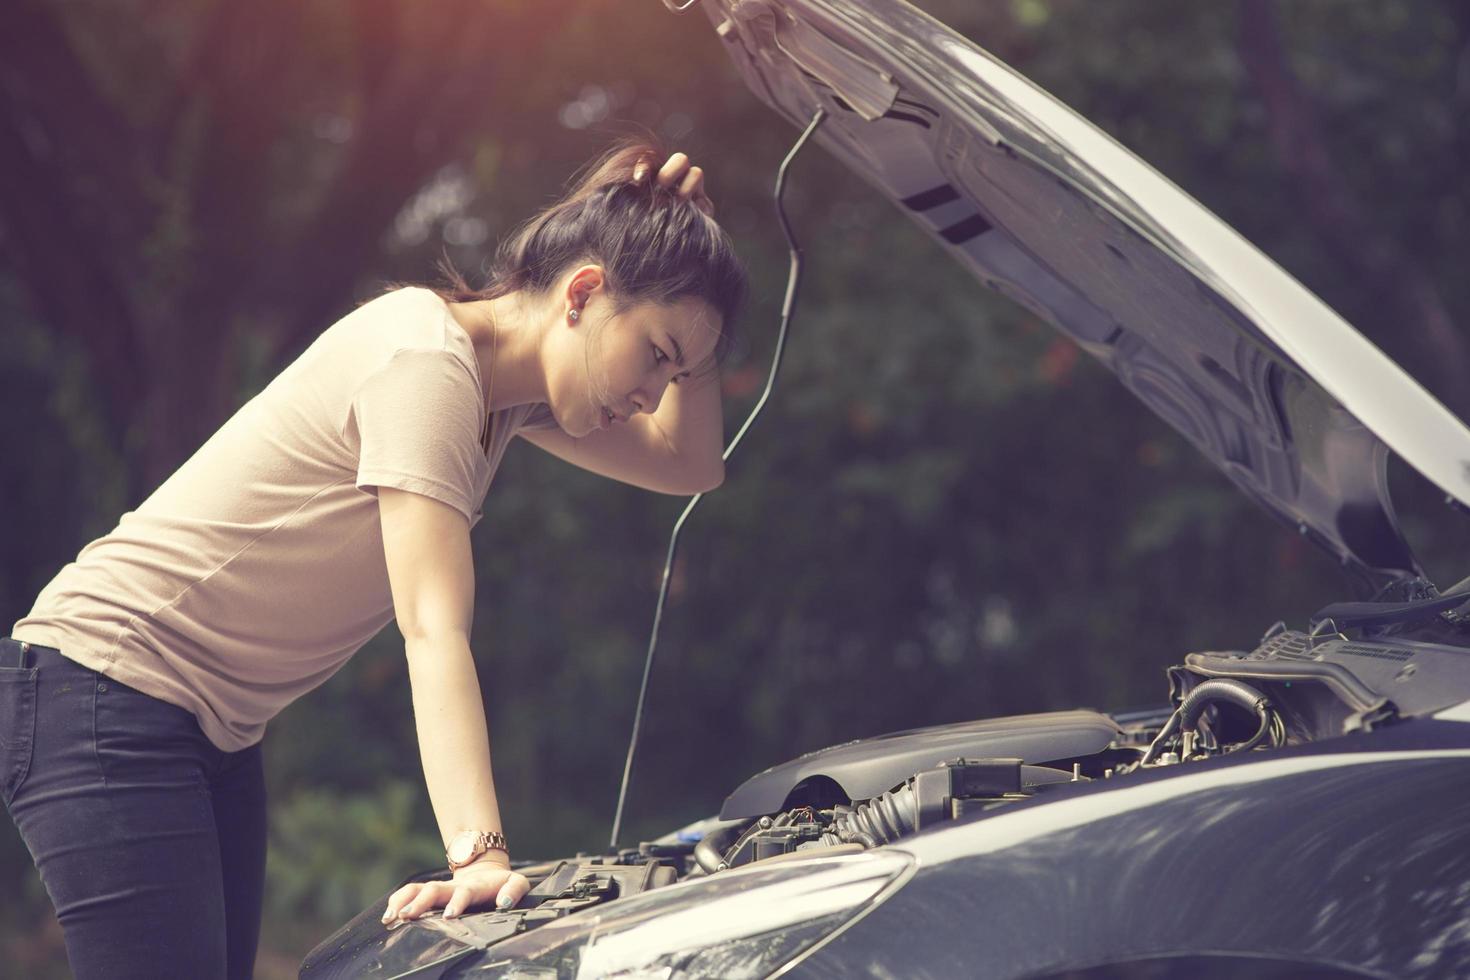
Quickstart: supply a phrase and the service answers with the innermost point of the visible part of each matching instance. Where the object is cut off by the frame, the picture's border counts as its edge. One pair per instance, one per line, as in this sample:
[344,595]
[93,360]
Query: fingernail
[503,902]
[450,913]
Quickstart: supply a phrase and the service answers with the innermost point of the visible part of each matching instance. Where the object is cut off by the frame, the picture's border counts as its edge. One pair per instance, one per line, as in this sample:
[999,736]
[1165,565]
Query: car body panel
[1366,838]
[1292,403]
[1359,849]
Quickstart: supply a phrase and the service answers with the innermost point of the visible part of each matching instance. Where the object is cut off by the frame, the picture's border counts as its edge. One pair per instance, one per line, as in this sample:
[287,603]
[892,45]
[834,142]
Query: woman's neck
[507,334]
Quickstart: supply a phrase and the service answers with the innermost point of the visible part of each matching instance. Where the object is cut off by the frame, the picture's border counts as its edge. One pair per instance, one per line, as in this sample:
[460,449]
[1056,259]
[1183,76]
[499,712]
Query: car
[1297,809]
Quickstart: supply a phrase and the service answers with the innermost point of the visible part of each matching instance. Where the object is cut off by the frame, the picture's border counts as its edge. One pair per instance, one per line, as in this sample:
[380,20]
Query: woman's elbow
[703,481]
[716,477]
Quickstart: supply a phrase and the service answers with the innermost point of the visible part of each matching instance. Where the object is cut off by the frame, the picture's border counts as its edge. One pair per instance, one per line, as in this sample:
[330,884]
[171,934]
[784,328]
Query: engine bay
[1357,666]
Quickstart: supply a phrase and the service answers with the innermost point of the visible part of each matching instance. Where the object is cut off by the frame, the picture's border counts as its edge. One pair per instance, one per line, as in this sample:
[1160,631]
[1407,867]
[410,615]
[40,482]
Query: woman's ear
[583,284]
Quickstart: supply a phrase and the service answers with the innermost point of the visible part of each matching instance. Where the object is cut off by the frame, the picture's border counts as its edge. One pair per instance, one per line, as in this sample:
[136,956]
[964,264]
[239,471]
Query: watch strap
[482,841]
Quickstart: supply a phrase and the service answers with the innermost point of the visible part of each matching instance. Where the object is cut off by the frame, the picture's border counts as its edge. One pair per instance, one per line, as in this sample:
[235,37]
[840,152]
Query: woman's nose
[649,396]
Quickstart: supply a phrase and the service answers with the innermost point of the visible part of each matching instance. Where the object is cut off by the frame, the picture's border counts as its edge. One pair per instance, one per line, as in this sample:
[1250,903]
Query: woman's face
[622,363]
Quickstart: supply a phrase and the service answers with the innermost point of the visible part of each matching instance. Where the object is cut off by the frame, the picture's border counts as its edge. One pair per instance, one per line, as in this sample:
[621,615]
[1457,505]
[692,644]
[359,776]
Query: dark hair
[653,245]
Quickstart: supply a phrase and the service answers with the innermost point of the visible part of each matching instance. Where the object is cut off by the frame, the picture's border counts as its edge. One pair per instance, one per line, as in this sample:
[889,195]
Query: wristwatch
[470,844]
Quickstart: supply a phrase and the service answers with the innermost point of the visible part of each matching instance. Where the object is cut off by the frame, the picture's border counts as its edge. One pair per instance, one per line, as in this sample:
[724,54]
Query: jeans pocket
[141,738]
[17,727]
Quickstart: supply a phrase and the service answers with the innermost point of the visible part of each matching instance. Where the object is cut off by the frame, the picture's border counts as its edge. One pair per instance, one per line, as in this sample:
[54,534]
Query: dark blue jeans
[149,839]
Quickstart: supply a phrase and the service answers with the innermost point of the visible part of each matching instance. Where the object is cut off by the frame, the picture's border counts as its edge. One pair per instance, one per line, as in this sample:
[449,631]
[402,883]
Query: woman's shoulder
[404,317]
[397,299]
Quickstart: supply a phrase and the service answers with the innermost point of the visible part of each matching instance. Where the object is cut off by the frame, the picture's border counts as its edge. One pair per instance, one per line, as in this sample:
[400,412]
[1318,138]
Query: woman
[134,695]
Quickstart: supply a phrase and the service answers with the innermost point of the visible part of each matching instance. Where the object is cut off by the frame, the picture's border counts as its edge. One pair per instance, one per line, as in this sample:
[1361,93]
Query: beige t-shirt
[255,570]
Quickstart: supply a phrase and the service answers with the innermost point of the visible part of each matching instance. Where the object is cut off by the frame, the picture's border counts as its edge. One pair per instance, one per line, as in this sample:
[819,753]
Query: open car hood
[1296,406]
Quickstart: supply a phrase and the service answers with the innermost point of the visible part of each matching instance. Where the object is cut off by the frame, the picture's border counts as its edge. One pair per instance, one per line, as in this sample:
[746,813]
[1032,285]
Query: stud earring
[574,315]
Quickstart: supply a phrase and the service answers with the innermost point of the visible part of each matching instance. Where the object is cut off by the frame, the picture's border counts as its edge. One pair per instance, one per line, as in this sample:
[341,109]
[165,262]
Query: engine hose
[882,819]
[858,837]
[1187,714]
[1237,692]
[709,853]
[1258,737]
[1272,725]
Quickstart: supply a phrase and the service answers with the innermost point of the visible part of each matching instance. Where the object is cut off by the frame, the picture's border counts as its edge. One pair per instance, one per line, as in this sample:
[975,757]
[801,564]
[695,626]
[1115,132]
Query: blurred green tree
[946,511]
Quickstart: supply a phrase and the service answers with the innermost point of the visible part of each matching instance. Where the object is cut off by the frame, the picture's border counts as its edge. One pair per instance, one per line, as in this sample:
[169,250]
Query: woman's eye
[659,356]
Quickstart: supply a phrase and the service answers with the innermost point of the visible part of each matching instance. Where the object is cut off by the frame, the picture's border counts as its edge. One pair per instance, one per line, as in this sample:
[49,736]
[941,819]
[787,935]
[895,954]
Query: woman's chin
[577,426]
[581,424]
[596,423]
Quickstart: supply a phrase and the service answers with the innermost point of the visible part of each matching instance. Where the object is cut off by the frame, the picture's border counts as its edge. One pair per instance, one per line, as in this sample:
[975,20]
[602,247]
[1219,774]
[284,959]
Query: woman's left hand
[677,172]
[474,884]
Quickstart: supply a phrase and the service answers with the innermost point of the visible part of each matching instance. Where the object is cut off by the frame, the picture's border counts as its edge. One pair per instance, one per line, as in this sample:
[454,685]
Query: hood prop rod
[793,280]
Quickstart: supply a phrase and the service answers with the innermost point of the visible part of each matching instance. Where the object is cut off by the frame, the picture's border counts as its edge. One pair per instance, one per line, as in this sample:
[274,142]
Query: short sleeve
[418,421]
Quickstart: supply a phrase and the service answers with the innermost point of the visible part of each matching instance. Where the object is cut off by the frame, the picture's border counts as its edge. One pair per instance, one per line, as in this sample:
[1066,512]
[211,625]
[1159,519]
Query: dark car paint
[1209,966]
[1366,838]
[1363,863]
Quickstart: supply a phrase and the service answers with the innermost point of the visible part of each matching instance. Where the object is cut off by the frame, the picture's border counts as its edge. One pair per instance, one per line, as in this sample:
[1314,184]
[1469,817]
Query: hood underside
[1285,397]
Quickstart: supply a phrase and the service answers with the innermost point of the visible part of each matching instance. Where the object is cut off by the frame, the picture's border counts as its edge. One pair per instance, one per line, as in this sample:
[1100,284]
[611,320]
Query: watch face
[462,848]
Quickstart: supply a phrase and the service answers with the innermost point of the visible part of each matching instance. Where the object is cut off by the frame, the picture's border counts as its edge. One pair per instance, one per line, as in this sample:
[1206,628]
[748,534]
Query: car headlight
[736,924]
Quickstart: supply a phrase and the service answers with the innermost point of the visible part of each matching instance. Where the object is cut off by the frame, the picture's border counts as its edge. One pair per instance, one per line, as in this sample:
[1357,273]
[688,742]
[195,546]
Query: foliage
[946,511]
[333,853]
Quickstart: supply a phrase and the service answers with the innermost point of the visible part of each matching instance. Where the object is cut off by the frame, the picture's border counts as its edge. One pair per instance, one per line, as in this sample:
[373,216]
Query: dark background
[946,511]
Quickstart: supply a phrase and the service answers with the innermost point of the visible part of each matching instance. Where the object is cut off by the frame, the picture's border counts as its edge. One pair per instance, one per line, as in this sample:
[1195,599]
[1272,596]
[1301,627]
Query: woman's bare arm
[454,740]
[426,544]
[677,449]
